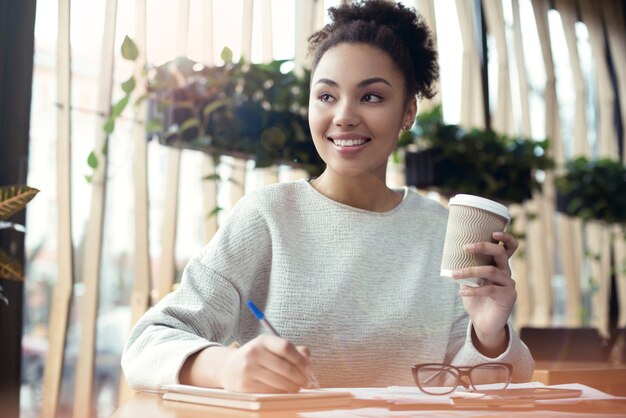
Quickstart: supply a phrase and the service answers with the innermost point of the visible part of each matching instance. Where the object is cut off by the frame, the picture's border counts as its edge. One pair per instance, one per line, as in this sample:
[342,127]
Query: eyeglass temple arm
[432,377]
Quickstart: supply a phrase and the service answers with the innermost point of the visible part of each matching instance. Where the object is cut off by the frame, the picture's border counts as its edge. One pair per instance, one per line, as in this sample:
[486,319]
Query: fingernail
[463,292]
[498,234]
[456,273]
[469,246]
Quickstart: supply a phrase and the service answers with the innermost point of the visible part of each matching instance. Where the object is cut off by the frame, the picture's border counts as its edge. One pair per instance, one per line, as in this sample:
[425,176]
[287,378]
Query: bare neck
[364,192]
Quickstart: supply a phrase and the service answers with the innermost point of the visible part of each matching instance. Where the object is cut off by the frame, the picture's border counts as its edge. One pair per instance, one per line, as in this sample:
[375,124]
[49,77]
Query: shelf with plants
[450,160]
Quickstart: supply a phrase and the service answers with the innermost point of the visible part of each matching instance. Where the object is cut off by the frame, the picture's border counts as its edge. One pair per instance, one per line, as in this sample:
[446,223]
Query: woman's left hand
[490,304]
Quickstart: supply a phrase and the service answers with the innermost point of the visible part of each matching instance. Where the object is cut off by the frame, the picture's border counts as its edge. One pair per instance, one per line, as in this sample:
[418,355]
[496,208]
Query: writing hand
[490,304]
[266,364]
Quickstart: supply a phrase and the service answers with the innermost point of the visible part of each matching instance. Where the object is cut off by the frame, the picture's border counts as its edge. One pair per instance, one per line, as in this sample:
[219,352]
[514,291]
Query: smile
[349,142]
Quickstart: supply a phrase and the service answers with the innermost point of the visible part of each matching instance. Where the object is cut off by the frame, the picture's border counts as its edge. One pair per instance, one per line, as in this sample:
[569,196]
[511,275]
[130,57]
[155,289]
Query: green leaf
[190,123]
[234,182]
[227,55]
[129,85]
[140,99]
[154,125]
[214,177]
[406,138]
[89,179]
[92,160]
[213,106]
[214,211]
[119,107]
[109,125]
[129,49]
[14,198]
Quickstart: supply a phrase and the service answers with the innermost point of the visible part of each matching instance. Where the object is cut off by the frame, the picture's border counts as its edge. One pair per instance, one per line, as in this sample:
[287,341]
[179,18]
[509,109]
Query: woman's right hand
[266,364]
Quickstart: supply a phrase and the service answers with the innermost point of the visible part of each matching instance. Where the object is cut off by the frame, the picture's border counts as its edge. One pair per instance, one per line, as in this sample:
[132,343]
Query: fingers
[500,252]
[279,378]
[510,243]
[506,295]
[298,356]
[493,274]
[270,364]
[304,351]
[500,272]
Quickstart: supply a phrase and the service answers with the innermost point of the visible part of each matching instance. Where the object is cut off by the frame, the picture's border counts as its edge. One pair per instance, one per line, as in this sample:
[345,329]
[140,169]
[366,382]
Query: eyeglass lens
[490,374]
[437,380]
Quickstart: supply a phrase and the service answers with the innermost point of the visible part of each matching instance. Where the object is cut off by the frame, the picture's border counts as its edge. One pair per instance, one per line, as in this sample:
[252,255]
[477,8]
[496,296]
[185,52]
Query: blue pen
[261,317]
[266,324]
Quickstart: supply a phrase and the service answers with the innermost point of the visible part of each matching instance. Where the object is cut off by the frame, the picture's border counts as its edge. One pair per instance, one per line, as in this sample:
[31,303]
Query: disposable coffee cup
[471,219]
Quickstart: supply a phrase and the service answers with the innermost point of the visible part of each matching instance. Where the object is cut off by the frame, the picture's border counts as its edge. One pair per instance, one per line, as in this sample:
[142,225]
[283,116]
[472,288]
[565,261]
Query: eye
[326,98]
[372,98]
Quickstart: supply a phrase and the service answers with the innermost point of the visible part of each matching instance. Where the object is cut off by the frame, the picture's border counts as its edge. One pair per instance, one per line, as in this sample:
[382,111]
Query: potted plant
[246,110]
[12,200]
[593,189]
[453,160]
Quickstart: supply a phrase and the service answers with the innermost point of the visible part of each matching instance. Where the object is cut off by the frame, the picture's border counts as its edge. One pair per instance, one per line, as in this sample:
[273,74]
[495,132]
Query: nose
[346,114]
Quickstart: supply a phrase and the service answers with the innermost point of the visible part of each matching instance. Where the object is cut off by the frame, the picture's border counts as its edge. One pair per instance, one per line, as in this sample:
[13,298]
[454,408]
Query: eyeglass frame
[460,372]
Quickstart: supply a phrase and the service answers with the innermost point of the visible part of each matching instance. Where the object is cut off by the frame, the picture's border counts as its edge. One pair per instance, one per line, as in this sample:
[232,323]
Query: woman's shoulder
[275,193]
[271,198]
[414,200]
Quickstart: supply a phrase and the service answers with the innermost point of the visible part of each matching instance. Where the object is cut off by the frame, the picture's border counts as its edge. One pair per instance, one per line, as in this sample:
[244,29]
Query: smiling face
[357,107]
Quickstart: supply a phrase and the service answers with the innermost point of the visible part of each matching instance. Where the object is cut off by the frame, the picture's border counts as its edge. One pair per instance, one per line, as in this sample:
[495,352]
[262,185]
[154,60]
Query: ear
[410,110]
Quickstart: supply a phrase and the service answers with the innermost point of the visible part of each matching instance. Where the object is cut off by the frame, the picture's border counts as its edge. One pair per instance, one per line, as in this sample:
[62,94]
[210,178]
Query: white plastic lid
[481,203]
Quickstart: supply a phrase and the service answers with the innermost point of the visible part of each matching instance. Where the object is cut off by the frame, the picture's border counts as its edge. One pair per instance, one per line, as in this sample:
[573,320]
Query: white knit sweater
[361,289]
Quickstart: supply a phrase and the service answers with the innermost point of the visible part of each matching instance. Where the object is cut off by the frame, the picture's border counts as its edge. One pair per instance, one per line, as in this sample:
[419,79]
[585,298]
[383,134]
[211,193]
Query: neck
[364,192]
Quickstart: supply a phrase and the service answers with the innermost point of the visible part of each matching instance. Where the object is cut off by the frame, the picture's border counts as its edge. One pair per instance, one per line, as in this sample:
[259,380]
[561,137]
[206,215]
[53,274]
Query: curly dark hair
[395,29]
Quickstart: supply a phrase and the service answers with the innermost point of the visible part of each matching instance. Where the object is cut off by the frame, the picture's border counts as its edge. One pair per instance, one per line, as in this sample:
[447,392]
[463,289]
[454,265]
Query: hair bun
[397,30]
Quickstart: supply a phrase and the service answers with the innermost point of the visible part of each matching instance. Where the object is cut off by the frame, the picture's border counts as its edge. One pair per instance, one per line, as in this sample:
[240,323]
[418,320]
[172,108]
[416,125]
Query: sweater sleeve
[205,309]
[461,350]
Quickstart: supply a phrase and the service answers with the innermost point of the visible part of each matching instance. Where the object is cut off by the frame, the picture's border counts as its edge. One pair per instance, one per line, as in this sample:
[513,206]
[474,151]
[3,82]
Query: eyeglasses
[441,379]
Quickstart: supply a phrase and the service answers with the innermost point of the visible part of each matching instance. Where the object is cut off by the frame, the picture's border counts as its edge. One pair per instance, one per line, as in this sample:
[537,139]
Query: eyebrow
[361,84]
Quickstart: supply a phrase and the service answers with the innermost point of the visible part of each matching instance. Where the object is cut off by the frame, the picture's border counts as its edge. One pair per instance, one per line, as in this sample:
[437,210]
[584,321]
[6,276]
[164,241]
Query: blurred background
[130,189]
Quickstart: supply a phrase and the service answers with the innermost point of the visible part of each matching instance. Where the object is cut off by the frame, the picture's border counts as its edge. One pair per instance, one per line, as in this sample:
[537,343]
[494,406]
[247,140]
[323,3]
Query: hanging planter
[252,111]
[245,110]
[451,160]
[593,190]
[425,169]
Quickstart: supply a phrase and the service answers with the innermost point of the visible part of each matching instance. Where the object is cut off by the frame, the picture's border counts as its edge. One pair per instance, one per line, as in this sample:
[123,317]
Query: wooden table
[609,379]
[150,405]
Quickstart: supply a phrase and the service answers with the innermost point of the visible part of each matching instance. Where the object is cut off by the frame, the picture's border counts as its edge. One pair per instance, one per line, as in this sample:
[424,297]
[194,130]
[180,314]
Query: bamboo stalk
[83,395]
[59,314]
[140,296]
[167,268]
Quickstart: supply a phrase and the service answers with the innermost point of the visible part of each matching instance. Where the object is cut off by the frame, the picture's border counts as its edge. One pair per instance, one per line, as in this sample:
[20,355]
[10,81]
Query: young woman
[345,268]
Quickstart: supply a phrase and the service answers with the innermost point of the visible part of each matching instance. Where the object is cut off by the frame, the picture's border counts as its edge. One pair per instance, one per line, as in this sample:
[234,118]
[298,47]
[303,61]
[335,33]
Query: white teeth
[348,142]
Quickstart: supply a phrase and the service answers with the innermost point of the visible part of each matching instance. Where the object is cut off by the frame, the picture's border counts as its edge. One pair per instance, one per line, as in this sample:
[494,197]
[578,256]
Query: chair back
[558,345]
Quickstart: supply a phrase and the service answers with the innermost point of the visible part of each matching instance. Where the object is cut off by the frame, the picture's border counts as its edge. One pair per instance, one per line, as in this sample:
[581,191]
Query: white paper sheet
[404,395]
